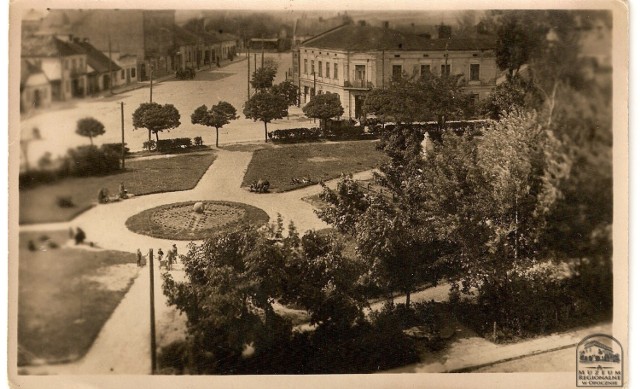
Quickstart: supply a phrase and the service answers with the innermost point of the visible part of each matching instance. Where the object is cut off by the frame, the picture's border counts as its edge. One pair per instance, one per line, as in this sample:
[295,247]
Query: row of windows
[327,69]
[396,70]
[75,63]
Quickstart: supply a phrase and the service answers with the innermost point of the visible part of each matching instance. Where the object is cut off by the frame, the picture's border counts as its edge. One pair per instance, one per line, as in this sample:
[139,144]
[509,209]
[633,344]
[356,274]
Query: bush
[36,177]
[149,145]
[116,148]
[294,135]
[541,301]
[173,357]
[198,141]
[168,145]
[343,129]
[92,161]
[65,202]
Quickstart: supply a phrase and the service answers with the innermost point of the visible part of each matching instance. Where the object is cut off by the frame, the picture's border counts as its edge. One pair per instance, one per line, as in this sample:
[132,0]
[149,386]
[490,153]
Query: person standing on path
[160,255]
[139,257]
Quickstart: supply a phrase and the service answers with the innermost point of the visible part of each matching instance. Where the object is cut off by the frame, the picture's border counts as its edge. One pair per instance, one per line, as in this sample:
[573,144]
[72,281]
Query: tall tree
[156,118]
[408,100]
[262,78]
[90,128]
[288,90]
[265,106]
[218,116]
[324,107]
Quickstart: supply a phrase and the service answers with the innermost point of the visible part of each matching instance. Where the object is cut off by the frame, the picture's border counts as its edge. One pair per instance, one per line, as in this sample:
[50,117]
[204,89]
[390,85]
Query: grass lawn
[317,161]
[181,172]
[65,296]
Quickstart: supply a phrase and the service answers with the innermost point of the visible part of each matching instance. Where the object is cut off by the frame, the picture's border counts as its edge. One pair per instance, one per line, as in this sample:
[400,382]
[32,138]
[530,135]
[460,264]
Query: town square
[211,192]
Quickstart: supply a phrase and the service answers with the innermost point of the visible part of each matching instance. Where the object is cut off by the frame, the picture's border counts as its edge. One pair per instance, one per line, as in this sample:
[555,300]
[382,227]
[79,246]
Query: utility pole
[262,60]
[110,71]
[151,83]
[153,315]
[248,72]
[122,122]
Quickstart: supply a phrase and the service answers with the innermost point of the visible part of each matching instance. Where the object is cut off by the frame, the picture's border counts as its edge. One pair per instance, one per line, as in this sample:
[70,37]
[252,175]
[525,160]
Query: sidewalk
[472,353]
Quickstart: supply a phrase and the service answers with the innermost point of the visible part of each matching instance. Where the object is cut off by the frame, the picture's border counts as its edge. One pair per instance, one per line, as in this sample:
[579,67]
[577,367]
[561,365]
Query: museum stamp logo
[599,362]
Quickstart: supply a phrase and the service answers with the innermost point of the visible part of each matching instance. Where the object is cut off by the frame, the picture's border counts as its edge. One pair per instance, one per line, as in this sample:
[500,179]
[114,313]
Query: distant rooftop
[368,38]
[48,46]
[97,59]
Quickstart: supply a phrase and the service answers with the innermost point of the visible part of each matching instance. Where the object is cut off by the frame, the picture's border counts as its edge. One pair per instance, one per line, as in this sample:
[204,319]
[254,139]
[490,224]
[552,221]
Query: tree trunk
[265,132]
[216,137]
[149,140]
[157,139]
[408,299]
[91,140]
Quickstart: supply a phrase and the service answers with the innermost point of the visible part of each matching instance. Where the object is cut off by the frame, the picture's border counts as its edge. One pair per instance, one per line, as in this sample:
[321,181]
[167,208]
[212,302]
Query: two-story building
[63,62]
[102,72]
[352,59]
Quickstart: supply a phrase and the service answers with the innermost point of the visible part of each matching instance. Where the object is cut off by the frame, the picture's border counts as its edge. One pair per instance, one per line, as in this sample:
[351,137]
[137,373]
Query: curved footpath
[122,347]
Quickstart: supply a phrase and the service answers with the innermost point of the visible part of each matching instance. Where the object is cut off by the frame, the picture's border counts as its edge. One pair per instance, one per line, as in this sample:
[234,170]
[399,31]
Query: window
[474,72]
[445,70]
[133,72]
[425,70]
[335,71]
[313,67]
[81,64]
[319,68]
[396,72]
[305,67]
[122,75]
[74,66]
[306,90]
[361,74]
[328,72]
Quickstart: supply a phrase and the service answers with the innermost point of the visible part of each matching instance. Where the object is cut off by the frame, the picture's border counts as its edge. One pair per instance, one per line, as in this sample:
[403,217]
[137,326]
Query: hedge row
[82,161]
[343,132]
[168,145]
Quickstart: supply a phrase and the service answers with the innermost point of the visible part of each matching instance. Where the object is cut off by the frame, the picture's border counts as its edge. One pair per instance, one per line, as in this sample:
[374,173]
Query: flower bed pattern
[178,221]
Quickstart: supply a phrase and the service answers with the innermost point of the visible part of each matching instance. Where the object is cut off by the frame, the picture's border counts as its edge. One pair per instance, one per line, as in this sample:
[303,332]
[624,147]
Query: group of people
[172,257]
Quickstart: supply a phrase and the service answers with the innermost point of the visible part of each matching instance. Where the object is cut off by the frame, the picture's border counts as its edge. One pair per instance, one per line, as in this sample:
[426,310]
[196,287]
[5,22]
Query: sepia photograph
[278,191]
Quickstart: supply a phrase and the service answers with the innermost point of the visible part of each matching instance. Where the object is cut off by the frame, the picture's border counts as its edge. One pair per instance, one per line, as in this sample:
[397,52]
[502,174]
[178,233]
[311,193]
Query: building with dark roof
[35,89]
[147,34]
[102,72]
[352,59]
[64,64]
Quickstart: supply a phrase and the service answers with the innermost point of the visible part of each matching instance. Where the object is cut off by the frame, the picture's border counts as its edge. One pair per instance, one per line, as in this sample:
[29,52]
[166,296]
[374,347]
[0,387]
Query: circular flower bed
[179,221]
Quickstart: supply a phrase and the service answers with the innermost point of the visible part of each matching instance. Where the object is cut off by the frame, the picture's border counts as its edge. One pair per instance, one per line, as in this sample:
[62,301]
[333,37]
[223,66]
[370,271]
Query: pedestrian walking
[139,257]
[175,252]
[160,255]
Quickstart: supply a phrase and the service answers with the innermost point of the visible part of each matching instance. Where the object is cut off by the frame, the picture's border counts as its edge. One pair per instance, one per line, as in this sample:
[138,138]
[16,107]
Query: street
[229,83]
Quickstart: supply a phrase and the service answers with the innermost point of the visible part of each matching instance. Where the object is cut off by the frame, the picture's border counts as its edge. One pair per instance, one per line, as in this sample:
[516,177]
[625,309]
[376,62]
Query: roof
[184,37]
[48,46]
[312,26]
[368,38]
[97,59]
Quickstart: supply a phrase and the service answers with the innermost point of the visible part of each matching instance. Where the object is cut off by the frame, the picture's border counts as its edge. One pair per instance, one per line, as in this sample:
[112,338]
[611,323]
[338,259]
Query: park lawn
[174,173]
[65,295]
[317,161]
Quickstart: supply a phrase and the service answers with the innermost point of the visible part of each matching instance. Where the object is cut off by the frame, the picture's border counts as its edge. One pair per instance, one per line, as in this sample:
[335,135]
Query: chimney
[444,31]
[385,24]
[362,23]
